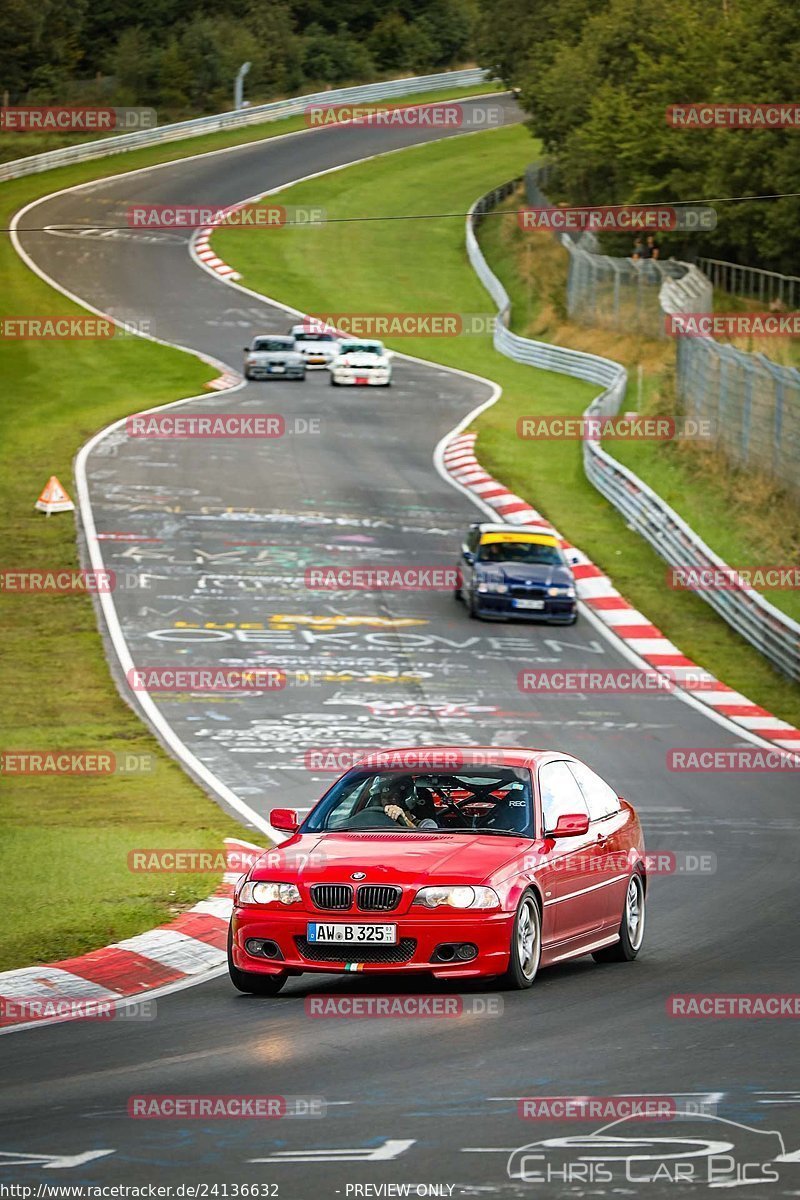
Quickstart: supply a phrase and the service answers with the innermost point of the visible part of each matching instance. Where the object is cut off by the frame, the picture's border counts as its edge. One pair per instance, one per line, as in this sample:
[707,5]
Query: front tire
[472,605]
[249,982]
[526,945]
[631,929]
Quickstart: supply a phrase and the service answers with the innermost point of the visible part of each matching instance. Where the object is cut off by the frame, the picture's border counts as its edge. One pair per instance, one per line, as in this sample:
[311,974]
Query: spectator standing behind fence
[638,249]
[652,249]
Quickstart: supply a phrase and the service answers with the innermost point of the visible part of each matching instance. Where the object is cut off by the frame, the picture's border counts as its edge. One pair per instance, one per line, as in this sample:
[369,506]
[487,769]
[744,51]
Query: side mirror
[467,555]
[571,825]
[284,819]
[246,349]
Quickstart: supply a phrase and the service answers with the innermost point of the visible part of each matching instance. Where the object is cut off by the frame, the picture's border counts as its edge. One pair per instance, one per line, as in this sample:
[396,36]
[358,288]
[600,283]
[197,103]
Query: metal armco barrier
[274,111]
[776,635]
[752,282]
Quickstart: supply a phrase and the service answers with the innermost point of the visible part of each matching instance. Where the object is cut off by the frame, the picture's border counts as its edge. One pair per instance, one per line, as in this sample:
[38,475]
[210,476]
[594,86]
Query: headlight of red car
[457,896]
[268,893]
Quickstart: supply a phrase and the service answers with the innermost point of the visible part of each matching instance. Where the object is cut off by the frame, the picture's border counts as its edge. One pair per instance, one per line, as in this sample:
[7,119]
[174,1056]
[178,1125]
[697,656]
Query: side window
[559,792]
[601,799]
[473,540]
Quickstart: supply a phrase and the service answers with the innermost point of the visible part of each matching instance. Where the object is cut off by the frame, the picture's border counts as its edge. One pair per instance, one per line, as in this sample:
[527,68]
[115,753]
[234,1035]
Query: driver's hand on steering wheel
[397,813]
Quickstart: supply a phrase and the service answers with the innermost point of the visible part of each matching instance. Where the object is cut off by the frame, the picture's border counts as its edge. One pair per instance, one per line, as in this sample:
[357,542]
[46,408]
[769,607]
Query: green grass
[746,521]
[64,841]
[428,271]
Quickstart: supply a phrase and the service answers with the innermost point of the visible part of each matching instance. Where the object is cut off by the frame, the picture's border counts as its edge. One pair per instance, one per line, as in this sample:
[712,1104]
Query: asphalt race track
[222,532]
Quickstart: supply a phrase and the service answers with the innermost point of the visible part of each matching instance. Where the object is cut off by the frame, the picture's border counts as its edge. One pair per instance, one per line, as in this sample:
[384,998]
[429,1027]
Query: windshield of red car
[475,800]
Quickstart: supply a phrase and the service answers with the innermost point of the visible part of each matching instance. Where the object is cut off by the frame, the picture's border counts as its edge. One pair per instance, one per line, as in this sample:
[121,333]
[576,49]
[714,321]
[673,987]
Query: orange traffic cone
[54,498]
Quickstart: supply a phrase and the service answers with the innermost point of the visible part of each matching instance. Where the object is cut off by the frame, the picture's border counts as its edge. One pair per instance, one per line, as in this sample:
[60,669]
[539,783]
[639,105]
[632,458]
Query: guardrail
[590,367]
[274,111]
[772,632]
[753,282]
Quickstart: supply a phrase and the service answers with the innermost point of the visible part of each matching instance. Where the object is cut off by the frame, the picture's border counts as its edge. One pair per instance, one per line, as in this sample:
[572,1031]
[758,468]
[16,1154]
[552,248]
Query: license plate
[315,358]
[529,604]
[361,379]
[378,935]
[277,370]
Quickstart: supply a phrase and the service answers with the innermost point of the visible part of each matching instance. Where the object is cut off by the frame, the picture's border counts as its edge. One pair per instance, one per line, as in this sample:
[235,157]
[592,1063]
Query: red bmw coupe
[451,862]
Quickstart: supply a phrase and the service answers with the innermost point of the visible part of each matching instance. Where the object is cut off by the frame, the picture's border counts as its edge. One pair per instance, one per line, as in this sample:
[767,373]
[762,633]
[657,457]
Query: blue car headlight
[489,586]
[565,590]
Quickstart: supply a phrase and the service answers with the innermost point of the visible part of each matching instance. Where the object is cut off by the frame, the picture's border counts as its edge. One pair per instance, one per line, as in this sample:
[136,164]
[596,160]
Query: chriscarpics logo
[689,1148]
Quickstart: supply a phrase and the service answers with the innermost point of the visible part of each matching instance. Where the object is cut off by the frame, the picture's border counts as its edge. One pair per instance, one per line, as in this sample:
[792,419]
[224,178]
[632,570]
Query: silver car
[273,355]
[318,347]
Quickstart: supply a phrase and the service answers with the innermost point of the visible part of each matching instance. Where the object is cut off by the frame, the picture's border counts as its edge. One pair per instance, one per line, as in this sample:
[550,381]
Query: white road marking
[50,1162]
[391,1148]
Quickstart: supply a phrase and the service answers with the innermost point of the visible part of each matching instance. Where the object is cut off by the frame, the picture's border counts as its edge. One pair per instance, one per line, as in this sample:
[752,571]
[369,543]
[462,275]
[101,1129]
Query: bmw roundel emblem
[359,875]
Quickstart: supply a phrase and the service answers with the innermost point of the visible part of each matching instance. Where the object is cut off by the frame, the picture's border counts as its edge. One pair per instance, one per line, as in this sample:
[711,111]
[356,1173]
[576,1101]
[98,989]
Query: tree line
[181,57]
[596,77]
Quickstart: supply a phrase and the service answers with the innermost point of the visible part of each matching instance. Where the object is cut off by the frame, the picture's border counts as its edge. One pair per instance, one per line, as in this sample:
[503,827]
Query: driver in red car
[400,801]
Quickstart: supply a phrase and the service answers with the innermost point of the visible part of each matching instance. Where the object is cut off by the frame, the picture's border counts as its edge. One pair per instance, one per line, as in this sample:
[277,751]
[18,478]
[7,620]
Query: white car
[362,363]
[273,354]
[318,347]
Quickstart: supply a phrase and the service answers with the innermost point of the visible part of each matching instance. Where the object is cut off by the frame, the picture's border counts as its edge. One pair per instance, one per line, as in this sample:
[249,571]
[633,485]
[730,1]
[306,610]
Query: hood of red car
[401,858]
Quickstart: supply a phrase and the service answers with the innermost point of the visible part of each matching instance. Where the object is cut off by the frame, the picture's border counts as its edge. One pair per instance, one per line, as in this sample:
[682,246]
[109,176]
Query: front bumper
[357,378]
[273,371]
[501,607]
[317,361]
[418,937]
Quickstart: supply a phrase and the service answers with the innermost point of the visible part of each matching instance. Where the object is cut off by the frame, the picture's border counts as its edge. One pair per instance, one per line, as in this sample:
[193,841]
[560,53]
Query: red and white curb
[201,244]
[201,249]
[228,379]
[192,944]
[597,591]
